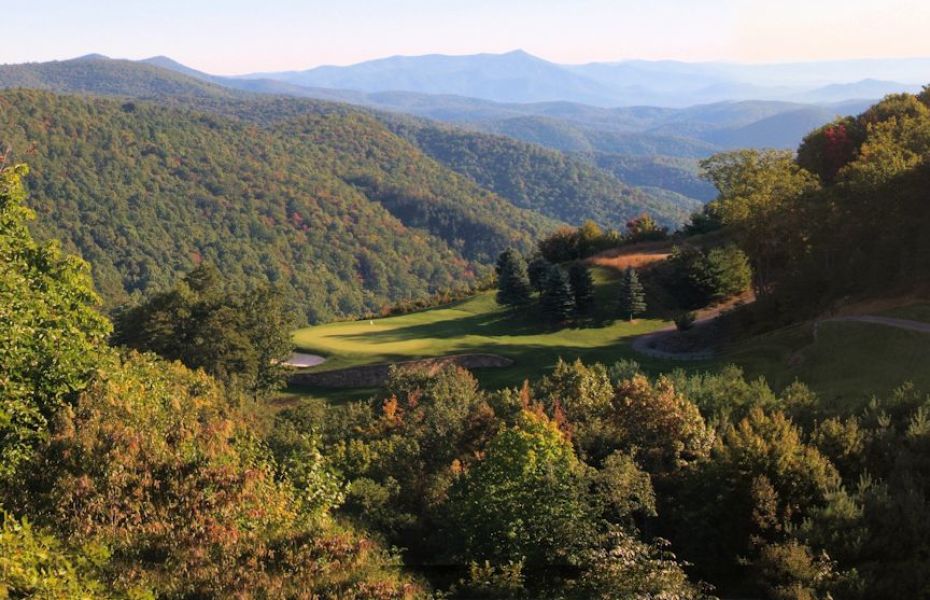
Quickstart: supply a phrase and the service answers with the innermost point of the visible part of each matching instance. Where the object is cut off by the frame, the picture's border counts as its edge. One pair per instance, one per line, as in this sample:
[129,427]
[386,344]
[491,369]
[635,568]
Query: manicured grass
[478,324]
[846,363]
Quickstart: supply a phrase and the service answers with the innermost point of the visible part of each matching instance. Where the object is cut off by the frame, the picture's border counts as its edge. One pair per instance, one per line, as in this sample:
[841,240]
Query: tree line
[562,295]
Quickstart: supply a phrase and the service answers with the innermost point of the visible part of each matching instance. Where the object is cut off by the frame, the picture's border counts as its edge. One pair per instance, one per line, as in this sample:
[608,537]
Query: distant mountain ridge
[523,78]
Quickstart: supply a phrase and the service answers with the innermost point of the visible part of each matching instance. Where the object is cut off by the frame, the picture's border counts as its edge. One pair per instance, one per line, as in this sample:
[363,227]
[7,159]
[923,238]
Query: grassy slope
[478,324]
[847,362]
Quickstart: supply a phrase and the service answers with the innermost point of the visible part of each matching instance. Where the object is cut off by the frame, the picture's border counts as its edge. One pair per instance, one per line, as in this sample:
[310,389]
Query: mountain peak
[90,57]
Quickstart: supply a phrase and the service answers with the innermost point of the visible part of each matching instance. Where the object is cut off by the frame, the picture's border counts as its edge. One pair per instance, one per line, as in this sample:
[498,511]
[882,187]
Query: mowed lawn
[478,324]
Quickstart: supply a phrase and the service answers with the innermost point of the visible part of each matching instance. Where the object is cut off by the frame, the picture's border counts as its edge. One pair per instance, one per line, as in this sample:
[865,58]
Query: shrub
[685,320]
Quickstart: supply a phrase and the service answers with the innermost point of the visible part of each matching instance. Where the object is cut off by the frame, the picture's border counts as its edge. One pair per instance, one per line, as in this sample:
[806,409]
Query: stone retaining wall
[376,375]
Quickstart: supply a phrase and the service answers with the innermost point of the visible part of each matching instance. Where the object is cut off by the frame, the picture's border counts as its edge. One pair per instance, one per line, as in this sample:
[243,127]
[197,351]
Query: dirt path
[656,344]
[650,343]
[906,324]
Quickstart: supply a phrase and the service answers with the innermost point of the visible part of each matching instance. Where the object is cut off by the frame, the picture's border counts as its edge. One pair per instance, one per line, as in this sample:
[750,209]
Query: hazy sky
[239,36]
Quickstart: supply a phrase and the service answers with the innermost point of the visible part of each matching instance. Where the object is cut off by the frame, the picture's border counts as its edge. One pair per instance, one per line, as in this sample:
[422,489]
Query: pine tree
[579,278]
[632,296]
[537,269]
[556,299]
[513,284]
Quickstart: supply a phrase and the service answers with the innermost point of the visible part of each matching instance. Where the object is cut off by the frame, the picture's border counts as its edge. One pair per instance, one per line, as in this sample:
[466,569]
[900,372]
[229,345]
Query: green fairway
[478,324]
[848,362]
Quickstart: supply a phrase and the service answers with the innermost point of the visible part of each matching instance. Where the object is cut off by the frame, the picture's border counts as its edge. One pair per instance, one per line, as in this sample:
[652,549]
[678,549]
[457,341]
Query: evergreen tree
[632,296]
[513,283]
[537,270]
[556,299]
[579,277]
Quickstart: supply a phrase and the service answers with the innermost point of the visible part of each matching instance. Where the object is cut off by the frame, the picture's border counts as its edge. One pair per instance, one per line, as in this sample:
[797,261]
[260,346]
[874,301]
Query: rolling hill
[332,206]
[595,194]
[637,131]
[540,179]
[96,74]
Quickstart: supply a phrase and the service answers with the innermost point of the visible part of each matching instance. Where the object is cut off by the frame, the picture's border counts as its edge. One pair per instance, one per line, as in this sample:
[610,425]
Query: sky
[237,36]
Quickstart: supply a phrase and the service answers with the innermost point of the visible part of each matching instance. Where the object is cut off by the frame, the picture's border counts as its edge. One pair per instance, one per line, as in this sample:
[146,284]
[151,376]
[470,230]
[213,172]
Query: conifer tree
[556,299]
[513,284]
[579,278]
[537,270]
[632,297]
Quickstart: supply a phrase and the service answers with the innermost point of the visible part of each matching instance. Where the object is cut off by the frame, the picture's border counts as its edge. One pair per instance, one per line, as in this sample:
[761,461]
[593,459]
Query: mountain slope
[585,187]
[145,192]
[95,74]
[539,179]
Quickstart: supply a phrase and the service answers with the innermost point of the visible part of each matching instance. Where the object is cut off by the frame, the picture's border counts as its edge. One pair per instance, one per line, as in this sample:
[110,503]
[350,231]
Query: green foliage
[528,465]
[143,469]
[93,75]
[655,171]
[629,568]
[151,463]
[400,460]
[697,277]
[513,283]
[537,269]
[664,429]
[756,188]
[845,219]
[532,177]
[685,321]
[582,285]
[644,229]
[567,243]
[827,150]
[557,300]
[240,341]
[36,565]
[631,297]
[766,479]
[49,329]
[584,395]
[335,209]
[924,95]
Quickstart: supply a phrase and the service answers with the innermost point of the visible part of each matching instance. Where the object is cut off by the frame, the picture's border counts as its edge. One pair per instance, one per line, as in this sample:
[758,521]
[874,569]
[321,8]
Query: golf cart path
[645,344]
[906,324]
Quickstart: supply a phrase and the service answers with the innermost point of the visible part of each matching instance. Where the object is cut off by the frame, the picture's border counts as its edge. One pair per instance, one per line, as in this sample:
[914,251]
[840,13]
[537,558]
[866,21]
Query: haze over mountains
[520,77]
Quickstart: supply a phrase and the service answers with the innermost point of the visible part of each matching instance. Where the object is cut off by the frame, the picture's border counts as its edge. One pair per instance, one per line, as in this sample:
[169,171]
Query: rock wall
[376,375]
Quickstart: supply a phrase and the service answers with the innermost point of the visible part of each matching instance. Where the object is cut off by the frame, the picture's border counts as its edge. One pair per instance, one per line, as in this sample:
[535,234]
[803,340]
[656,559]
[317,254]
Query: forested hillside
[847,217]
[539,179]
[95,74]
[333,207]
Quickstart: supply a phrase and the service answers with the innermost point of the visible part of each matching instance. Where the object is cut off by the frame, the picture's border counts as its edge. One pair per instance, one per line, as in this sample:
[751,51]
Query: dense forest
[343,214]
[320,198]
[844,218]
[543,180]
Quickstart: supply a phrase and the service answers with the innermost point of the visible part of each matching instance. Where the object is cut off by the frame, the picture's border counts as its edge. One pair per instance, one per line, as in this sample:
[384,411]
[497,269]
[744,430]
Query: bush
[685,320]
